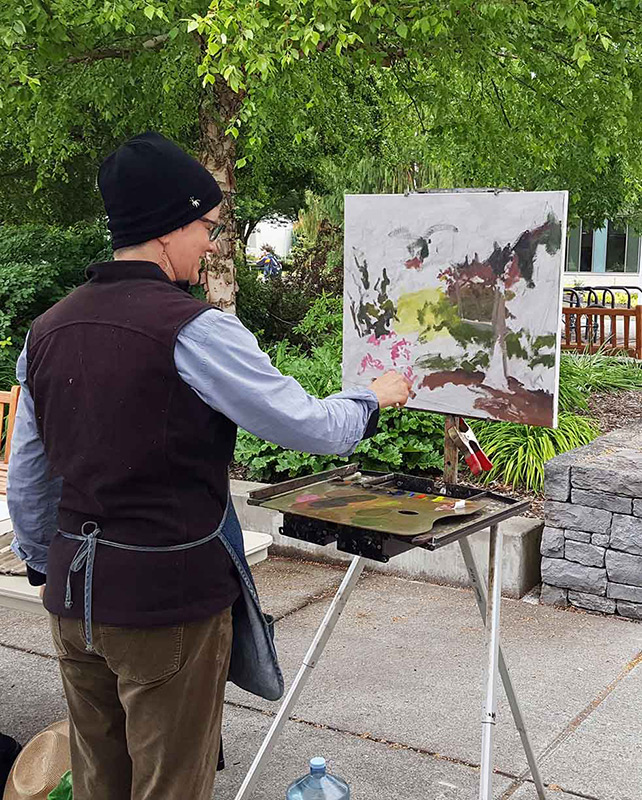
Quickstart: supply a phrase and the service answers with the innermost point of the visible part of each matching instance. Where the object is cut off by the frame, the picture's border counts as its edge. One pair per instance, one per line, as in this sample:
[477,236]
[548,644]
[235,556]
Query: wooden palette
[380,508]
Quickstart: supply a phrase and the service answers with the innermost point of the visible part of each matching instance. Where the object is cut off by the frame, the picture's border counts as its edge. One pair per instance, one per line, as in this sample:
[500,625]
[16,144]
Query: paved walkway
[394,704]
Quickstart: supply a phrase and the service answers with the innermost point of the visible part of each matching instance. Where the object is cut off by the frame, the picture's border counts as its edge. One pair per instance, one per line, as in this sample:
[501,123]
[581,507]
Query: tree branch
[122,52]
[501,104]
[548,97]
[412,99]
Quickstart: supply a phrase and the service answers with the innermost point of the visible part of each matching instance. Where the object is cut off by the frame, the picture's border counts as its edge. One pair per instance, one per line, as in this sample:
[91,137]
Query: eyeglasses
[215,231]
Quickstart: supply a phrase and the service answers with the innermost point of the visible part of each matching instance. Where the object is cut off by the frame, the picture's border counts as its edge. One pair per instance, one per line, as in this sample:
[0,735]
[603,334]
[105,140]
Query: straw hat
[41,764]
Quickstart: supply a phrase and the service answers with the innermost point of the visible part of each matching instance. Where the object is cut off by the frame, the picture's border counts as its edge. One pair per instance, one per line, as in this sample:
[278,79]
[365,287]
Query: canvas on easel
[461,292]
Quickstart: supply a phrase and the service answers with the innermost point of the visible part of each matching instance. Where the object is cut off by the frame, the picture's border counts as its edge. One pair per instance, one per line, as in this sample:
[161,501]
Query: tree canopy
[298,92]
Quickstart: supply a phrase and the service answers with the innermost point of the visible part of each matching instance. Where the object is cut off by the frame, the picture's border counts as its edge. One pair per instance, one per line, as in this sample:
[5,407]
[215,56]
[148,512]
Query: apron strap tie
[85,556]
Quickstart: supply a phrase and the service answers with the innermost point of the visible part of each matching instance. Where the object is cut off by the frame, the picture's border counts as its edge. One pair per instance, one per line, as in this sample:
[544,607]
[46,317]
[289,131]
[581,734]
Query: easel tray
[379,515]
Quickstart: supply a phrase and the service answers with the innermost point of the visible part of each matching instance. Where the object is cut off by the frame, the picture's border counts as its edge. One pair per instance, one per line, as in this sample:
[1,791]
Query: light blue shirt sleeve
[218,357]
[32,493]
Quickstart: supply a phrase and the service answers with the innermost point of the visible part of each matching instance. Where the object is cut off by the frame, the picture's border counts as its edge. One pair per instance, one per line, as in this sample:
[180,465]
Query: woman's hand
[392,389]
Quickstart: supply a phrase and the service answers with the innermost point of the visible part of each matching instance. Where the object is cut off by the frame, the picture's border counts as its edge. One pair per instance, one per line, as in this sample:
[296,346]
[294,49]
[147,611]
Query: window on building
[573,249]
[632,261]
[613,248]
[586,249]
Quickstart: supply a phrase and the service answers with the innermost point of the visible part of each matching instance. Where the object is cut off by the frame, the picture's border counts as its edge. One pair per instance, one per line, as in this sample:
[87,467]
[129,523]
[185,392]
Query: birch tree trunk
[218,154]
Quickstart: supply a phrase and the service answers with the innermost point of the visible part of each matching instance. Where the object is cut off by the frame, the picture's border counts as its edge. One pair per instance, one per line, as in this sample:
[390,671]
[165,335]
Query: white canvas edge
[558,349]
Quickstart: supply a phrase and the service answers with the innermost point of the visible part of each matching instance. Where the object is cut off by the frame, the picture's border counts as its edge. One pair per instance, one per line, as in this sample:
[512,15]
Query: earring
[165,261]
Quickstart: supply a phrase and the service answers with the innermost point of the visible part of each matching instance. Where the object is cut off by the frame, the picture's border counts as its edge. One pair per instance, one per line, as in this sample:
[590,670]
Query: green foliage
[7,365]
[408,441]
[316,260]
[584,374]
[271,310]
[274,309]
[250,40]
[529,95]
[38,266]
[519,452]
[323,322]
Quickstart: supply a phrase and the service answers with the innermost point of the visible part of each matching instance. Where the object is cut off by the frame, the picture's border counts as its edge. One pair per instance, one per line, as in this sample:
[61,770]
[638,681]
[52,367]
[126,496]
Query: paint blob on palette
[383,509]
[462,293]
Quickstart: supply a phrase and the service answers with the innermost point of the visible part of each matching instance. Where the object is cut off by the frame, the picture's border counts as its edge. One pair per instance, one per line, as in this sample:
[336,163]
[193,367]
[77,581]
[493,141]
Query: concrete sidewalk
[395,702]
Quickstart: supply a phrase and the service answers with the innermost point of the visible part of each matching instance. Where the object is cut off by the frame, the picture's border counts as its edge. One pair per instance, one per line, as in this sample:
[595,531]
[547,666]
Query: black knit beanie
[151,187]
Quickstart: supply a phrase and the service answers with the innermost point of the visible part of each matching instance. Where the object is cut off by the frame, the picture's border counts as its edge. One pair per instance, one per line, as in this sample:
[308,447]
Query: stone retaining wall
[592,541]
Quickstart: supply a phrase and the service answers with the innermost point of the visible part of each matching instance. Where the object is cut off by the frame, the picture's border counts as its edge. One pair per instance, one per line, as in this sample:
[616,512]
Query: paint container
[318,785]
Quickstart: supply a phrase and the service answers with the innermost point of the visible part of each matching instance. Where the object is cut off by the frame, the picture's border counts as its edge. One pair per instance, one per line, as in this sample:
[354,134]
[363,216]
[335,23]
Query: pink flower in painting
[376,340]
[368,362]
[400,350]
[409,375]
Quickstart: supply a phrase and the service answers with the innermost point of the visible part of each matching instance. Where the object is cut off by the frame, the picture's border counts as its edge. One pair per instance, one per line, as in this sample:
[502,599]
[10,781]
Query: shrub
[519,452]
[582,375]
[315,262]
[38,266]
[270,309]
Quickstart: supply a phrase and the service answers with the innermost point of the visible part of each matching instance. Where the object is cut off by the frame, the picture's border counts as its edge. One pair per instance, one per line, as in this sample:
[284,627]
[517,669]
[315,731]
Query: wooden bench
[8,406]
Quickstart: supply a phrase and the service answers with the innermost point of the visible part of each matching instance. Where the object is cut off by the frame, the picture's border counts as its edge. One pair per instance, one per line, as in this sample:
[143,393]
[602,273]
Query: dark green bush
[38,266]
[271,310]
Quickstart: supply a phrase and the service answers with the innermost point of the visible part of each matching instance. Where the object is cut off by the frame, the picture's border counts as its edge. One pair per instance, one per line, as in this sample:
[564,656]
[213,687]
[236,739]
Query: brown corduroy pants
[145,709]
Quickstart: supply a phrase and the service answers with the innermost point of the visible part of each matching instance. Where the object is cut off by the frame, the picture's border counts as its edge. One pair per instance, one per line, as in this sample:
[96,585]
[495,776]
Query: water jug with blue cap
[318,785]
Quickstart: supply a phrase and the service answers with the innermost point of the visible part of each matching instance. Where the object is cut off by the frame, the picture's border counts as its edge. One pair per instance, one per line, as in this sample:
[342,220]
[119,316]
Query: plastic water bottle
[318,785]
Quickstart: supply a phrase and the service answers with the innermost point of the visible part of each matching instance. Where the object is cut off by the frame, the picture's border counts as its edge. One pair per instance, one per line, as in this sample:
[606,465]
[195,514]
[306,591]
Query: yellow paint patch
[408,308]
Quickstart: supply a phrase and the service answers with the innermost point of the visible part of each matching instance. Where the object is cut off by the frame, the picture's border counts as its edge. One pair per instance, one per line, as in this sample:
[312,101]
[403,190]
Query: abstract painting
[462,292]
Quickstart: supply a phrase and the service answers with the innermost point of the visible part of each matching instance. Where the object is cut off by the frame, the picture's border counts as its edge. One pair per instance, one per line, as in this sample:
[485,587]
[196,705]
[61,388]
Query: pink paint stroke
[376,340]
[400,350]
[369,362]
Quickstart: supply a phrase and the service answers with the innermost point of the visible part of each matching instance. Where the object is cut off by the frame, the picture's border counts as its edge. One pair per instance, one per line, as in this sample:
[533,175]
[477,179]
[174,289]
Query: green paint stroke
[414,312]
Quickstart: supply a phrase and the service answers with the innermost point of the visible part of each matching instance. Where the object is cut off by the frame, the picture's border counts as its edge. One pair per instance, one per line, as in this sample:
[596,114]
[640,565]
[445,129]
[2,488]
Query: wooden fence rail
[611,330]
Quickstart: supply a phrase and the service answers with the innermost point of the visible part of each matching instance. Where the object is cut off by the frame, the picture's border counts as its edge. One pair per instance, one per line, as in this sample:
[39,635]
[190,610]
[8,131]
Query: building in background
[606,256]
[276,233]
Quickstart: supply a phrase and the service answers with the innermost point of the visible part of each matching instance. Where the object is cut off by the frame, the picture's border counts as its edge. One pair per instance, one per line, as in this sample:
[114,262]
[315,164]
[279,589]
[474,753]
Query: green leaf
[402,30]
[149,12]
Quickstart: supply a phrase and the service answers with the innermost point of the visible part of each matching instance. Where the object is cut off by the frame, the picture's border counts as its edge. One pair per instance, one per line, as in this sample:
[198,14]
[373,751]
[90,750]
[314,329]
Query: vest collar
[126,270]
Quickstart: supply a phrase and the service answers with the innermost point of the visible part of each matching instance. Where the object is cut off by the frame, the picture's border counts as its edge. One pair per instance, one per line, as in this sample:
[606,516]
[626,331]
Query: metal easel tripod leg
[490,613]
[309,662]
